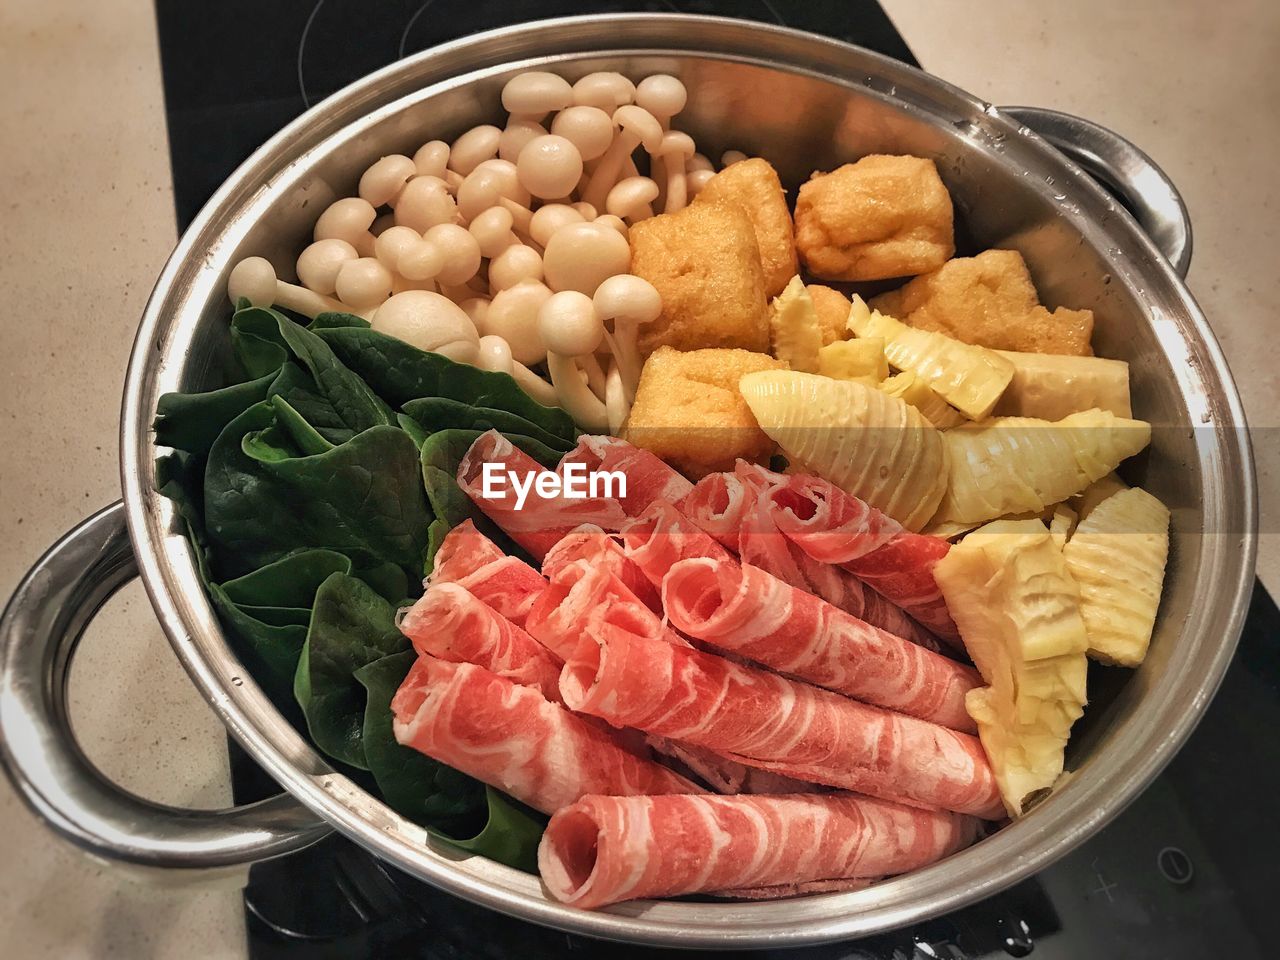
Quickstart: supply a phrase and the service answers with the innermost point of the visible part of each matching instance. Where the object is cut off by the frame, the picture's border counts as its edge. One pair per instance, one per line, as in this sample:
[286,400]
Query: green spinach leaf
[399,372]
[510,835]
[351,626]
[442,413]
[297,388]
[364,498]
[192,421]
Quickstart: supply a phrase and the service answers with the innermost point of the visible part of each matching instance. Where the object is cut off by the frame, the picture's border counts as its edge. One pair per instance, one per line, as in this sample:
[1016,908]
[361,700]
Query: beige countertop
[88,217]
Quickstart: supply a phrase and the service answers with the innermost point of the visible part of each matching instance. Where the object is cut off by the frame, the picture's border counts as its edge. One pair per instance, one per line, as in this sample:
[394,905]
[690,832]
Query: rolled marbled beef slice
[769,721]
[450,623]
[649,478]
[596,547]
[603,850]
[742,609]
[511,737]
[470,559]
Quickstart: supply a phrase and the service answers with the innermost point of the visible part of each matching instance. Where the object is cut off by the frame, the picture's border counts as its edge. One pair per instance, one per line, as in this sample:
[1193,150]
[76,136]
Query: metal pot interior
[805,104]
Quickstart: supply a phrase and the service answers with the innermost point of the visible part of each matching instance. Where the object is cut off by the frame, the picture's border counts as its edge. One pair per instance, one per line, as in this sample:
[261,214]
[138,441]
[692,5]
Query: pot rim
[1081,807]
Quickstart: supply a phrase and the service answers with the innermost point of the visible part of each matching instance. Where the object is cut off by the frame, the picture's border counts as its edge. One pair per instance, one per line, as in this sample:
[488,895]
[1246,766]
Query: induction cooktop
[1189,871]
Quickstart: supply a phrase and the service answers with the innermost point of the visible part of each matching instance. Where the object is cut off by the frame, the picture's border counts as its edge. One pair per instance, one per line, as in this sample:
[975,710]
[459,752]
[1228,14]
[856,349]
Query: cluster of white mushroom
[508,248]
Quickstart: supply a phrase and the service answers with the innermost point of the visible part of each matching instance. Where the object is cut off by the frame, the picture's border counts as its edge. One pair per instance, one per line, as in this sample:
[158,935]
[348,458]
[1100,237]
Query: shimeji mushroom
[637,127]
[587,210]
[473,148]
[518,132]
[570,329]
[495,354]
[513,315]
[628,301]
[392,244]
[514,265]
[363,284]
[318,264]
[348,219]
[632,199]
[488,185]
[254,279]
[695,181]
[423,203]
[549,166]
[432,159]
[536,93]
[447,253]
[662,95]
[616,403]
[607,91]
[549,218]
[492,230]
[730,157]
[589,129]
[384,180]
[613,223]
[580,256]
[430,322]
[676,149]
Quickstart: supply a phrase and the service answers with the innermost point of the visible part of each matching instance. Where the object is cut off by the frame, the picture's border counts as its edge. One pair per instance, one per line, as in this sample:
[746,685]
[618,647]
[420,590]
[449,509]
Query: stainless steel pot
[805,103]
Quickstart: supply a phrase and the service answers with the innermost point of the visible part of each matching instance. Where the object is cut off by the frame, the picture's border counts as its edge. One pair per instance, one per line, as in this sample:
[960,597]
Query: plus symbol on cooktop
[1104,886]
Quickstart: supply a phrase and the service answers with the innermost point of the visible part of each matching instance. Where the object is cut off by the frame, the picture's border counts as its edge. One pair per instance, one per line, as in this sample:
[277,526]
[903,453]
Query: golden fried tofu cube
[689,412]
[754,184]
[832,308]
[989,300]
[705,262]
[881,217]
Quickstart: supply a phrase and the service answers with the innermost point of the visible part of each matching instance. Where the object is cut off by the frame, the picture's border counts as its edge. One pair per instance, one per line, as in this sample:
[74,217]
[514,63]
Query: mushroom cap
[492,230]
[318,264]
[588,211]
[695,181]
[432,159]
[473,148]
[662,95]
[613,223]
[424,202]
[483,186]
[730,157]
[347,219]
[549,218]
[628,298]
[518,132]
[568,324]
[421,261]
[640,123]
[631,196]
[461,252]
[536,92]
[589,128]
[549,166]
[363,283]
[494,354]
[699,161]
[580,256]
[382,182]
[392,244]
[477,308]
[513,316]
[515,264]
[676,143]
[430,322]
[254,279]
[605,90]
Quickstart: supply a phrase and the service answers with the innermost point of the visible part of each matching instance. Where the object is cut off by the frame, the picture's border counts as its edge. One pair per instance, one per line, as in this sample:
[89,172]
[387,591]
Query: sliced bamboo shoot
[1052,386]
[862,360]
[794,325]
[908,387]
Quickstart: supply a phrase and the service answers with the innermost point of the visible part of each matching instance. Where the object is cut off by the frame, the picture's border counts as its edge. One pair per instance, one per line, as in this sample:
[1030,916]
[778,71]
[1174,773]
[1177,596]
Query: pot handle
[39,630]
[1122,170]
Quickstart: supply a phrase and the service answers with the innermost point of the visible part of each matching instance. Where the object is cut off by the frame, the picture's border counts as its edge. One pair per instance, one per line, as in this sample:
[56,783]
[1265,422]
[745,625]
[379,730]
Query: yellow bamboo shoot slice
[1062,524]
[864,441]
[1019,614]
[1010,465]
[794,324]
[908,387]
[1052,386]
[862,360]
[1092,495]
[1117,556]
[968,377]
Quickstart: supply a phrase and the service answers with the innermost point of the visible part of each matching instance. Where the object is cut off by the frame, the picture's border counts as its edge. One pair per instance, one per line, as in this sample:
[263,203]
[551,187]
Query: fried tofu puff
[832,308]
[689,412]
[989,300]
[881,217]
[705,263]
[755,185]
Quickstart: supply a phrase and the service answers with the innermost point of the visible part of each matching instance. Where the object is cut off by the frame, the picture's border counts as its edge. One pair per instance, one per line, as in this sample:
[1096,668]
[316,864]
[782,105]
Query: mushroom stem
[254,279]
[677,194]
[617,404]
[626,355]
[573,394]
[595,373]
[609,169]
[534,385]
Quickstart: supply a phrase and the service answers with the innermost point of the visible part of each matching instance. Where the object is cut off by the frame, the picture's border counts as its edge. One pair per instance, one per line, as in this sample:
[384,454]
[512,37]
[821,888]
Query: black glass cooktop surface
[1189,871]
